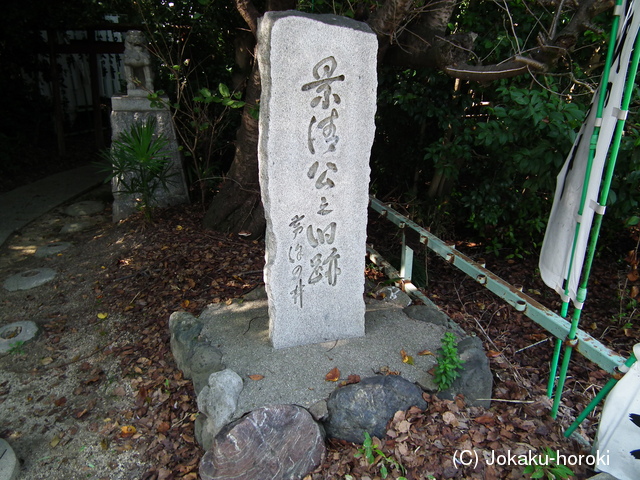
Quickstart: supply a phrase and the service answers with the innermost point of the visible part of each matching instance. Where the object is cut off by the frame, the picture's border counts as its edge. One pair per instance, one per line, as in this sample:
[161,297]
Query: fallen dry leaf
[487,419]
[350,380]
[426,352]
[256,377]
[408,359]
[164,427]
[333,375]
[56,440]
[127,431]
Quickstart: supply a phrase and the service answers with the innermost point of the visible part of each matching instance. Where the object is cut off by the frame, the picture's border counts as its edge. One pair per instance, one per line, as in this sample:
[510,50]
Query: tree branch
[249,13]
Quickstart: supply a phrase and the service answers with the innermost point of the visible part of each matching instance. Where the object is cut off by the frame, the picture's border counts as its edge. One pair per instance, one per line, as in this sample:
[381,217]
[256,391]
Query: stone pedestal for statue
[135,107]
[126,111]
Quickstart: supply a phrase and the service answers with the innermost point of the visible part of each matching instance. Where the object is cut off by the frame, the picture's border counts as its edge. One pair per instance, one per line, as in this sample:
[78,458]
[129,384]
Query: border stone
[84,208]
[195,355]
[217,403]
[475,382]
[367,406]
[29,279]
[52,249]
[9,464]
[278,442]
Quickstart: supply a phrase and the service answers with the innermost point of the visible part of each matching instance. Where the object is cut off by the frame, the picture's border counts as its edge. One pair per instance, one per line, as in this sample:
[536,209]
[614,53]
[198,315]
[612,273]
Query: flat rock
[84,208]
[16,332]
[9,466]
[78,226]
[52,249]
[29,279]
[369,405]
[275,442]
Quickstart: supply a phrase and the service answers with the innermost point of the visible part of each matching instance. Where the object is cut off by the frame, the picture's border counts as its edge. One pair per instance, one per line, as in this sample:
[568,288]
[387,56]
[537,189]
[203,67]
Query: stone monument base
[236,338]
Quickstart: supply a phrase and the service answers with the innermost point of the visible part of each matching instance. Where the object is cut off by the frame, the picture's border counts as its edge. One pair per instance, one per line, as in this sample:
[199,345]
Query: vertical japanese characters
[315,230]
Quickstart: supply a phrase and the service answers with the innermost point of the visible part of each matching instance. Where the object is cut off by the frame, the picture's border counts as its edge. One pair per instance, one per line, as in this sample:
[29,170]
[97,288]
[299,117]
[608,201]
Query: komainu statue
[137,62]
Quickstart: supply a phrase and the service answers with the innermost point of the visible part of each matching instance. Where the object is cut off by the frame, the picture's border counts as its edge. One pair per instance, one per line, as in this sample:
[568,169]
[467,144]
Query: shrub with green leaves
[374,456]
[140,163]
[449,362]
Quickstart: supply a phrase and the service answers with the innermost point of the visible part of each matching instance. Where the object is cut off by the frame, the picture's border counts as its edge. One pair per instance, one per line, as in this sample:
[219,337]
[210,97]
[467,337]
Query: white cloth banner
[555,256]
[618,440]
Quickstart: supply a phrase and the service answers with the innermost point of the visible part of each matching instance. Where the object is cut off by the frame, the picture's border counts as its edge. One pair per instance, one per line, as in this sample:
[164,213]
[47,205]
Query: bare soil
[97,394]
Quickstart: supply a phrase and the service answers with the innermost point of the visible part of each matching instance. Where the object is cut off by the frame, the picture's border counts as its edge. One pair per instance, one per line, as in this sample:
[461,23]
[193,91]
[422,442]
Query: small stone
[319,410]
[217,402]
[368,406]
[78,226]
[29,279]
[279,442]
[16,332]
[394,296]
[9,465]
[52,249]
[85,208]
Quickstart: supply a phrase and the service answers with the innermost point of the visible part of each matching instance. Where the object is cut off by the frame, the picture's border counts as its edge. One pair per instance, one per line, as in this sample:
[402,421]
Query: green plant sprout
[16,348]
[140,162]
[448,362]
[375,456]
[548,467]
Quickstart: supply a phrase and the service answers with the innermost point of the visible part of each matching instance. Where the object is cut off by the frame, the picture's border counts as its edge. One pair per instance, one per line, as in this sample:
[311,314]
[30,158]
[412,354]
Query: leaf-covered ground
[139,274]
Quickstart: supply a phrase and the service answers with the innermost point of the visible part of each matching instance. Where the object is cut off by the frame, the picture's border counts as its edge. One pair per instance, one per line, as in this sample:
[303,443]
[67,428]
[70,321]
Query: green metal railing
[588,346]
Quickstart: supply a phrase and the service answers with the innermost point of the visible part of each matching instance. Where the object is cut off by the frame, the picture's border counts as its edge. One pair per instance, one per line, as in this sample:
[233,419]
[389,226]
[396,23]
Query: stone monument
[316,130]
[135,107]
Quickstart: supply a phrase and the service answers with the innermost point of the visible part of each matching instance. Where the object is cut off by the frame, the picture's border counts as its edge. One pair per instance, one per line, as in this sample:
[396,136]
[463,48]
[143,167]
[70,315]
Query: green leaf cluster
[547,467]
[375,456]
[139,161]
[17,348]
[448,361]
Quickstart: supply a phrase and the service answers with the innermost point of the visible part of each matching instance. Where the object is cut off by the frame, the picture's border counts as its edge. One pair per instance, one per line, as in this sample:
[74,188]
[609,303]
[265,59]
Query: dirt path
[65,404]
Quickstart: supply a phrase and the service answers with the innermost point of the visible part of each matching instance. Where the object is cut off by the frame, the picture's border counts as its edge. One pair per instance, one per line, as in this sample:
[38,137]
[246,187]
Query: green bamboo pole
[592,148]
[597,399]
[595,232]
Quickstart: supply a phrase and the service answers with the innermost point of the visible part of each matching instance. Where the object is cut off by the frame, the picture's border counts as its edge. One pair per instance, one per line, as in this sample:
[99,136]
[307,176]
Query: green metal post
[596,400]
[554,365]
[597,223]
[593,143]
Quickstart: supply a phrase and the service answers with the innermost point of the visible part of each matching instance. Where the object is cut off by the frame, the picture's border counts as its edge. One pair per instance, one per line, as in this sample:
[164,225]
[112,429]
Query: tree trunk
[237,207]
